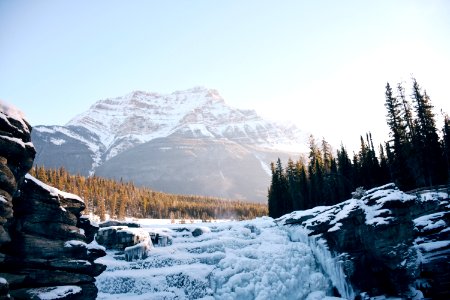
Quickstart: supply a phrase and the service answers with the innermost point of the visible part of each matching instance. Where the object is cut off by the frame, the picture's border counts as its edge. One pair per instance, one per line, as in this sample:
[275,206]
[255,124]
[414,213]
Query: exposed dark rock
[388,241]
[199,231]
[42,247]
[121,237]
[90,228]
[119,223]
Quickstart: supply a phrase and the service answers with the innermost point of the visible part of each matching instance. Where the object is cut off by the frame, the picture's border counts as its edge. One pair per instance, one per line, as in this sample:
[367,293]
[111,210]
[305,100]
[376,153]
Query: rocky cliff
[43,249]
[387,242]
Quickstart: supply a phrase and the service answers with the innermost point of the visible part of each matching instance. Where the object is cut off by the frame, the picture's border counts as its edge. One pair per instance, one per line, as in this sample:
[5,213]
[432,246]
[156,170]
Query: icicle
[138,251]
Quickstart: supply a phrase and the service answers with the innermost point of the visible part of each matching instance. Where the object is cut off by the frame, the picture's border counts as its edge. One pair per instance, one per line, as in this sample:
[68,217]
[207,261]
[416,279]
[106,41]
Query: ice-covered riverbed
[234,260]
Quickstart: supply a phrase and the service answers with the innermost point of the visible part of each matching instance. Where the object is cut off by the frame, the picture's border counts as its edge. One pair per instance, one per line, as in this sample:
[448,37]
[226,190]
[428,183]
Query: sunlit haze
[322,65]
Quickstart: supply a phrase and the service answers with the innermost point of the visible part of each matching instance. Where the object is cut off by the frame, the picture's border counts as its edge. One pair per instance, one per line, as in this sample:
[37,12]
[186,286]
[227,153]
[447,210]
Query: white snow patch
[95,246]
[53,191]
[17,141]
[264,165]
[3,280]
[80,262]
[56,292]
[57,142]
[75,243]
[431,246]
[429,222]
[13,112]
[44,129]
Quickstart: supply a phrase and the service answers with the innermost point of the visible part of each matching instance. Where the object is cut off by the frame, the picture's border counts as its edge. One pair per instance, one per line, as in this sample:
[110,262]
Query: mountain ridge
[114,126]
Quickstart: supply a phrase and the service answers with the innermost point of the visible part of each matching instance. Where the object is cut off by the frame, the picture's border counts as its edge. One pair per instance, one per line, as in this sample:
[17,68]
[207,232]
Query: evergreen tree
[427,140]
[446,145]
[293,178]
[304,186]
[384,167]
[345,173]
[401,173]
[406,112]
[273,202]
[280,201]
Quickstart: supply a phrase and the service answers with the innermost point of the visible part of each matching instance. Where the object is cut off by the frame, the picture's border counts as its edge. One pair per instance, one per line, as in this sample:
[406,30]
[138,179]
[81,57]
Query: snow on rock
[432,246]
[430,222]
[138,251]
[385,240]
[52,293]
[53,191]
[121,237]
[235,260]
[12,112]
[75,243]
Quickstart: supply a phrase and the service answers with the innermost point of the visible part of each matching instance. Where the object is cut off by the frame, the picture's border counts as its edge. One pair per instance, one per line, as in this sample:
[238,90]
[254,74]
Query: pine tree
[345,173]
[304,186]
[427,140]
[293,178]
[384,167]
[446,145]
[406,112]
[401,172]
[273,201]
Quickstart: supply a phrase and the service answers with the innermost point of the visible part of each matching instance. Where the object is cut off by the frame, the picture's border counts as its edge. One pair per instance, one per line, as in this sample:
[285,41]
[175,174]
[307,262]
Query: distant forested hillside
[123,199]
[417,155]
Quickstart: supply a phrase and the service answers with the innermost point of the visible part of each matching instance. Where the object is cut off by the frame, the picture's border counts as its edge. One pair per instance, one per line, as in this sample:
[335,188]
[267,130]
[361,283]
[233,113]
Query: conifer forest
[123,199]
[415,156]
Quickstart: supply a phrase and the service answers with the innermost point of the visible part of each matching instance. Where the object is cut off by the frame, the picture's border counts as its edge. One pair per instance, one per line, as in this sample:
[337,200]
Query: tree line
[123,199]
[415,156]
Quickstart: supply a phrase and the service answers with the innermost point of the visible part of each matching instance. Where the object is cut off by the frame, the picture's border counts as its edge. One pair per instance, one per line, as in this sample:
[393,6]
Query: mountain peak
[139,117]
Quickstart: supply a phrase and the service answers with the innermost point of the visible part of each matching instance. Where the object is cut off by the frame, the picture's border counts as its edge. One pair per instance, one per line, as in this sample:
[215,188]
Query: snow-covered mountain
[110,128]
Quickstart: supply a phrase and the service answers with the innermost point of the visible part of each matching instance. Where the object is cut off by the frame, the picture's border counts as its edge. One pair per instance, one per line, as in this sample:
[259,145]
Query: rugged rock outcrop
[43,252]
[387,242]
[121,237]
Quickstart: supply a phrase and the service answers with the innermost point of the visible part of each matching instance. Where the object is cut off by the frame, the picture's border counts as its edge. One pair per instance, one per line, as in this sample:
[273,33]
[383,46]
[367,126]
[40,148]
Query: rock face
[388,242]
[43,249]
[16,158]
[121,237]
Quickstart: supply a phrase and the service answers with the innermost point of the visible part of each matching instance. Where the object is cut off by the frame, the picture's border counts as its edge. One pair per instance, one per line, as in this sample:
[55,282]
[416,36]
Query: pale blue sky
[320,64]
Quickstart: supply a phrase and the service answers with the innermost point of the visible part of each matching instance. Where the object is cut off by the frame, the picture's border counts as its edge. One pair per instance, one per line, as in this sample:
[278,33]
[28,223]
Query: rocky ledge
[387,242]
[44,252]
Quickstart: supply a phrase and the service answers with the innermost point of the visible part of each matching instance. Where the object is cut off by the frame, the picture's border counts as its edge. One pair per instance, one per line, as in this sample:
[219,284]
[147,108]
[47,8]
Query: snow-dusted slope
[124,122]
[175,143]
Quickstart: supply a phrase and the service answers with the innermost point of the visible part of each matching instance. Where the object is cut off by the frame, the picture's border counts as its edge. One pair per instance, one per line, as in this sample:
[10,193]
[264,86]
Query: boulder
[199,231]
[121,237]
[110,223]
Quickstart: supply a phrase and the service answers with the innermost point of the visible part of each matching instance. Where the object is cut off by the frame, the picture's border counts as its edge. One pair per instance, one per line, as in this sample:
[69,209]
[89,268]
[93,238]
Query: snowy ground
[234,260]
